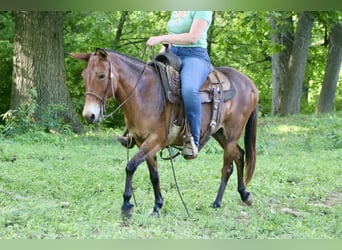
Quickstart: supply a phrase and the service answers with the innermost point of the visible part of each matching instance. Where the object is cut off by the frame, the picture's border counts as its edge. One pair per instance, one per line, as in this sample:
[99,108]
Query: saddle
[216,89]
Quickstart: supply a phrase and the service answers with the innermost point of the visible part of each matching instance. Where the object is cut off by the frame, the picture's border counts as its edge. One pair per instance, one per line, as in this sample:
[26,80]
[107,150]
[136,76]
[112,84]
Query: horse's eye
[102,76]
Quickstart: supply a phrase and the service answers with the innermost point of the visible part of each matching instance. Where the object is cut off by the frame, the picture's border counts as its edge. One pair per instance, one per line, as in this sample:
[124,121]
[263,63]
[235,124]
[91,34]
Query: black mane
[125,56]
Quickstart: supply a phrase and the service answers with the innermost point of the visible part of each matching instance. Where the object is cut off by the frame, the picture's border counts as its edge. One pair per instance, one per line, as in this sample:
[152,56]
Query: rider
[187,34]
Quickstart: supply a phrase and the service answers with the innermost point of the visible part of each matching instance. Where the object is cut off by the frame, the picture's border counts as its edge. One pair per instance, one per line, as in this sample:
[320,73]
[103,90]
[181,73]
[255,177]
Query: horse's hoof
[249,200]
[216,205]
[127,211]
[155,214]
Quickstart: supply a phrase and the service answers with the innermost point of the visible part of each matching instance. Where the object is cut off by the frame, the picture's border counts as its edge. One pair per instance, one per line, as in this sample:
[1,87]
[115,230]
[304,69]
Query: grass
[68,186]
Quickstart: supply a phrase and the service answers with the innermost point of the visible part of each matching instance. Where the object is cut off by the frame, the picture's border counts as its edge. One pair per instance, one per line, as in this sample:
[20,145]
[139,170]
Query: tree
[332,70]
[282,38]
[293,84]
[6,55]
[121,24]
[39,65]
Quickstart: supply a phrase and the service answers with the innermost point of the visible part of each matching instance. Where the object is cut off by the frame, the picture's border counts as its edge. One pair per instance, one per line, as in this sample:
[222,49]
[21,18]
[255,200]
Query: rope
[127,154]
[170,154]
[169,148]
[176,184]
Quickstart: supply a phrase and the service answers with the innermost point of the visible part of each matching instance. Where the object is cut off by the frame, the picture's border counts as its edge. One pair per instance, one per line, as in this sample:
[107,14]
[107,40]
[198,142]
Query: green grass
[67,186]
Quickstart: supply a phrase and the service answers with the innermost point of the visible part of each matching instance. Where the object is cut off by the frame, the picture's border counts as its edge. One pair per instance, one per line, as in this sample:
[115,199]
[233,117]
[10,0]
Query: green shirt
[181,21]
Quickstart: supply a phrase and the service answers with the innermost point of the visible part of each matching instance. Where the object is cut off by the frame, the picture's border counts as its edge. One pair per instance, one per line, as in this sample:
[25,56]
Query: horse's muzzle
[92,113]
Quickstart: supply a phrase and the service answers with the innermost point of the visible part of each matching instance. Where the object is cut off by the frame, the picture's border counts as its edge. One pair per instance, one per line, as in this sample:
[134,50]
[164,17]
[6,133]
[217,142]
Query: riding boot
[126,139]
[190,150]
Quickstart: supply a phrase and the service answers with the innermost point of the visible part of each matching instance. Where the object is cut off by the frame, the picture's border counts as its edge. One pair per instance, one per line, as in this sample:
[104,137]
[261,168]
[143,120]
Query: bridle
[103,99]
[110,85]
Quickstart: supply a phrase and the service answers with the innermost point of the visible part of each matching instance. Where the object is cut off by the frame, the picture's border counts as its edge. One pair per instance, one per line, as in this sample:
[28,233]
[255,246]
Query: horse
[137,87]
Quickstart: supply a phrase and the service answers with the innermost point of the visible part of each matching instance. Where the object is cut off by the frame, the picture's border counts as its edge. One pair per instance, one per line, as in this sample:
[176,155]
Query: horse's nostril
[92,118]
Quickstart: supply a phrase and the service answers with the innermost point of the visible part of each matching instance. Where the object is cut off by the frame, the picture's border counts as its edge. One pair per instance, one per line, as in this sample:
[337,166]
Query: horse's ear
[80,56]
[101,53]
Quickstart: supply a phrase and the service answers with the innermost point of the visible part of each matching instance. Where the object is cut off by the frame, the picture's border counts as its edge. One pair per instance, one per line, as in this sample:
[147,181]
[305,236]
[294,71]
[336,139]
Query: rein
[171,155]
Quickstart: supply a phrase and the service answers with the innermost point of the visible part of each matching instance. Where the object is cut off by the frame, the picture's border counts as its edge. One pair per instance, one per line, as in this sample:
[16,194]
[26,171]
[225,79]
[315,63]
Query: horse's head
[99,83]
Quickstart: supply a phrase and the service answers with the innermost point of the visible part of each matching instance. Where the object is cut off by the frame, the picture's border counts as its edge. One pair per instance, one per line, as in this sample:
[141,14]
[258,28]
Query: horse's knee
[230,170]
[227,172]
[130,168]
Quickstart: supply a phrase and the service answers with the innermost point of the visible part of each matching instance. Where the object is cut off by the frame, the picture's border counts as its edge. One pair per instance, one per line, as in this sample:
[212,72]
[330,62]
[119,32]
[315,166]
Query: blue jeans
[195,69]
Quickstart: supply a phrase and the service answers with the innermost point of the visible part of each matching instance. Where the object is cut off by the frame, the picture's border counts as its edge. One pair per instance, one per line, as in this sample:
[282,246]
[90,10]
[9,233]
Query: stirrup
[190,150]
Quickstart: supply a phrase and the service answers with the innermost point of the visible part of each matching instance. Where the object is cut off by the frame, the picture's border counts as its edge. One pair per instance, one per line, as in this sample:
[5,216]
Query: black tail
[250,143]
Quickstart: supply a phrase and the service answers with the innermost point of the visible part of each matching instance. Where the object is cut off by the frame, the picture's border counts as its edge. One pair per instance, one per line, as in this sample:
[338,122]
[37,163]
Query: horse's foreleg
[154,177]
[132,165]
[246,197]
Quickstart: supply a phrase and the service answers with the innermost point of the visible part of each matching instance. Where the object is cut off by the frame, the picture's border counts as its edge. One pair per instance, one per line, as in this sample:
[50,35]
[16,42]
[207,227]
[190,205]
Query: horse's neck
[128,75]
[138,86]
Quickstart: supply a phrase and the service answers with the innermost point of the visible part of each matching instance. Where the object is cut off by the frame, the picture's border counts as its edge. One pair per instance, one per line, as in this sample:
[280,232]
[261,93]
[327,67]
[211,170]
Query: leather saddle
[217,85]
[216,89]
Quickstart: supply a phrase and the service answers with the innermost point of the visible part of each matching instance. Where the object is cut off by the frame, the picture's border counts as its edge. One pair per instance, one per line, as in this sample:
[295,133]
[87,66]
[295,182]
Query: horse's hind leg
[132,165]
[227,168]
[226,172]
[246,197]
[154,177]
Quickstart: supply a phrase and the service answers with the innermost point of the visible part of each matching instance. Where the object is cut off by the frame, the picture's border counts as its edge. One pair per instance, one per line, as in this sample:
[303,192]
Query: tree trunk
[120,28]
[293,84]
[39,64]
[282,35]
[211,33]
[332,71]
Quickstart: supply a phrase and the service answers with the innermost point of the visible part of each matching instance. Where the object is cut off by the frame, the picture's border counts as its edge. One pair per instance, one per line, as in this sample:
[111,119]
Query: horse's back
[246,92]
[238,77]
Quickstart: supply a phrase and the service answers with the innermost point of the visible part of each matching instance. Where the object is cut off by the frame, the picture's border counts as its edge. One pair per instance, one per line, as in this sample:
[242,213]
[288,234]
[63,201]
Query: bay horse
[137,87]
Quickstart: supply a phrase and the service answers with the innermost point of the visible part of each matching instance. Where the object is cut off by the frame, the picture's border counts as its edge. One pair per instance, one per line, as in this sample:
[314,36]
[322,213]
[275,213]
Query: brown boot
[126,139]
[190,150]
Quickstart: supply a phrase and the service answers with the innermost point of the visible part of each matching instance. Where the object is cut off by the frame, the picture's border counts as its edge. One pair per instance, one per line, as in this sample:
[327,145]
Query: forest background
[293,57]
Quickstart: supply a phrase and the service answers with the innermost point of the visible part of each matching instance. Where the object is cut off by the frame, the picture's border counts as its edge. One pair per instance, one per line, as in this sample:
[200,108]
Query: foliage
[74,185]
[82,34]
[52,119]
[240,39]
[23,119]
[6,54]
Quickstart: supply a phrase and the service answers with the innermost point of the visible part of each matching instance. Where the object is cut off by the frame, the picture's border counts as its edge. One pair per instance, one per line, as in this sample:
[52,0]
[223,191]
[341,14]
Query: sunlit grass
[68,186]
